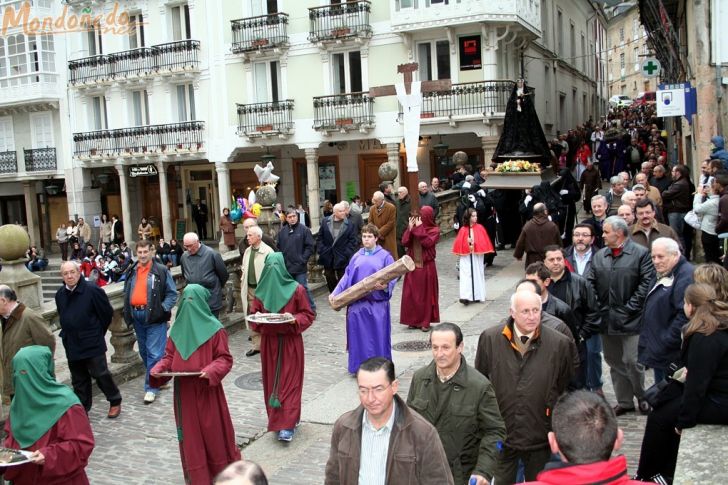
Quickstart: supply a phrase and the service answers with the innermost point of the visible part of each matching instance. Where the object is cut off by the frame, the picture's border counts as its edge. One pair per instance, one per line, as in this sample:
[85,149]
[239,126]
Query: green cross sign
[651,67]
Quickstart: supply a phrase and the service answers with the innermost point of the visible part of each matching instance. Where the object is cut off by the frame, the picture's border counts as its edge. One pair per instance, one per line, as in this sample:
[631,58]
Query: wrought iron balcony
[40,160]
[263,119]
[179,56]
[182,137]
[8,162]
[260,33]
[338,22]
[343,112]
[466,101]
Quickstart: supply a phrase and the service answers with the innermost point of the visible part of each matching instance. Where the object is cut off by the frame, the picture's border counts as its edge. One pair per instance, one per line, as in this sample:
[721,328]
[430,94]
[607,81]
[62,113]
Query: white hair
[627,194]
[191,236]
[72,263]
[670,245]
[256,230]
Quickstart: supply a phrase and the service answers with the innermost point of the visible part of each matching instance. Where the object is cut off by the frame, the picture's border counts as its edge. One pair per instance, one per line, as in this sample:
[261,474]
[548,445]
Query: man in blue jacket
[663,317]
[719,152]
[337,242]
[149,295]
[296,243]
[85,315]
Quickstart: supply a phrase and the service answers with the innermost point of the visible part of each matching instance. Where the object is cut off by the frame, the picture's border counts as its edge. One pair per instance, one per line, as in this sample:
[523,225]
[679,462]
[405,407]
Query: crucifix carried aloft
[409,95]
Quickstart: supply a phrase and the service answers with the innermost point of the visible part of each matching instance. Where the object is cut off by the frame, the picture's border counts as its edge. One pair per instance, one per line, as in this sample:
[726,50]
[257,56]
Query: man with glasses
[85,314]
[445,387]
[204,266]
[383,441]
[530,365]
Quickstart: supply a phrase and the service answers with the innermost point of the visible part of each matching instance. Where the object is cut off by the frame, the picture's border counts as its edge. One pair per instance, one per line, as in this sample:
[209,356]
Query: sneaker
[149,397]
[286,435]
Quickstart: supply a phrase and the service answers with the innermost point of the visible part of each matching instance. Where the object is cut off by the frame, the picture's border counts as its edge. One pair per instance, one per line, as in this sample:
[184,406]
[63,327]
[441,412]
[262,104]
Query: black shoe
[501,247]
[464,301]
[644,406]
[619,410]
[252,352]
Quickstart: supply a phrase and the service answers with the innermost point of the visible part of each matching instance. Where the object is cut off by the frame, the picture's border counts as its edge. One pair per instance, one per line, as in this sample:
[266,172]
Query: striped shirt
[374,448]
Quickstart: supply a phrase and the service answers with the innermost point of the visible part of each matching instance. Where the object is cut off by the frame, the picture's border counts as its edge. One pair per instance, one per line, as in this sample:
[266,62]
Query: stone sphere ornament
[14,242]
[388,171]
[460,158]
[266,195]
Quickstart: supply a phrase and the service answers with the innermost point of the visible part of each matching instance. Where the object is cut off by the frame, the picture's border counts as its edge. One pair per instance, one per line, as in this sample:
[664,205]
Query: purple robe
[368,323]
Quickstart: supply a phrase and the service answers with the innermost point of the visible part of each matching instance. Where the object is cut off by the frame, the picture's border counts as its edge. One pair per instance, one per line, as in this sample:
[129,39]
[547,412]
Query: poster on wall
[470,53]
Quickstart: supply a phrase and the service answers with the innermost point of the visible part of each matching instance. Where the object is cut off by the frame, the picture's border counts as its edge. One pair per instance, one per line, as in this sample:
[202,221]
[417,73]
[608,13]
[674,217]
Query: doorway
[201,186]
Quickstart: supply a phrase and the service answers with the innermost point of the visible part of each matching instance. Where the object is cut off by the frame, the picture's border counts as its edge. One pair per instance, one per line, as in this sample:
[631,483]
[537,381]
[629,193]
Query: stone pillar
[489,144]
[125,207]
[223,192]
[393,157]
[164,195]
[313,186]
[31,212]
[489,52]
[122,339]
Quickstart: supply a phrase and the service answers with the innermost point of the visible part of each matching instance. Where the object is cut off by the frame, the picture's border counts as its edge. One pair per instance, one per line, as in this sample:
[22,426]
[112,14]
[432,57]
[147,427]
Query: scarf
[195,324]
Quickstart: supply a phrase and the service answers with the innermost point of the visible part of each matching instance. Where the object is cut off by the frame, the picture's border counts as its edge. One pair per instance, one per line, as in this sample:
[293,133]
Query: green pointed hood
[40,401]
[276,286]
[194,324]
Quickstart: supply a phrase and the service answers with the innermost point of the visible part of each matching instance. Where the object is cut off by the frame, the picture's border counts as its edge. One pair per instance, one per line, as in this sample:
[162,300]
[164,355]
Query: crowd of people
[616,282]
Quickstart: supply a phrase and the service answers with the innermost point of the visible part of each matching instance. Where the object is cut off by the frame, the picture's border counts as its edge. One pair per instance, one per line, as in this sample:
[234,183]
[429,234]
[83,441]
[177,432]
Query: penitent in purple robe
[368,323]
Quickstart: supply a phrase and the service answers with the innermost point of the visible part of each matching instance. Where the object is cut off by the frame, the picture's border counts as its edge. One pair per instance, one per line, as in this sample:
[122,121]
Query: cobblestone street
[140,447]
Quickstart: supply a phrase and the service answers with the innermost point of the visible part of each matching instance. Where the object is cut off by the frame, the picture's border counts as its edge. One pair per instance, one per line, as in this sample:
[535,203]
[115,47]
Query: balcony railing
[340,21]
[176,56]
[260,33]
[40,159]
[467,100]
[343,112]
[262,119]
[8,162]
[187,136]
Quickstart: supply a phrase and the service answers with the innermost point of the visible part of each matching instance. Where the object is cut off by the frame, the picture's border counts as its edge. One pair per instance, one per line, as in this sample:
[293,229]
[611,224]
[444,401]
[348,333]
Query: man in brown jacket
[384,215]
[21,327]
[399,445]
[538,233]
[529,366]
[646,228]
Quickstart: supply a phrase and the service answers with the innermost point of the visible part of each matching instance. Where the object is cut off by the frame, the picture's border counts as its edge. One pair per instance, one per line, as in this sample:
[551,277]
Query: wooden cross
[406,70]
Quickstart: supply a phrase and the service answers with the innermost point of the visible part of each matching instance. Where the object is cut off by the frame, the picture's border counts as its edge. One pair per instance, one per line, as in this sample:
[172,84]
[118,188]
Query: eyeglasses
[581,234]
[378,391]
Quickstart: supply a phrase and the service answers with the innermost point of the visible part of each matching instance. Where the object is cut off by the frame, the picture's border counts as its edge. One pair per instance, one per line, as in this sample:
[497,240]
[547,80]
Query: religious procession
[380,242]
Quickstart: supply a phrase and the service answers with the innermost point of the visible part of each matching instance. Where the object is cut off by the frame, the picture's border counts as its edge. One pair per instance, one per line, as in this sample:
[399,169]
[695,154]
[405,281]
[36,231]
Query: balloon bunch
[237,209]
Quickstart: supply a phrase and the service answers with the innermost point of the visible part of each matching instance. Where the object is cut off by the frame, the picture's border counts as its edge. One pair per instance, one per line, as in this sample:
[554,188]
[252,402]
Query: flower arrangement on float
[518,166]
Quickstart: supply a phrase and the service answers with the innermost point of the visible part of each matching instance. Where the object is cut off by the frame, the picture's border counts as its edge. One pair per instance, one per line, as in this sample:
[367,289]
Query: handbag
[664,391]
[693,220]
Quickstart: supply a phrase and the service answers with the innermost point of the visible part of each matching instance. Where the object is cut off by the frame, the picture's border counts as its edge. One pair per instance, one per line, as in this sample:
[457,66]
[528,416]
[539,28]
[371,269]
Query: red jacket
[611,472]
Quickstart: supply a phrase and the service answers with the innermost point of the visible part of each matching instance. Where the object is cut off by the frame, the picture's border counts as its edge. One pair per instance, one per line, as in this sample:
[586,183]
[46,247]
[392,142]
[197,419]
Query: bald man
[527,382]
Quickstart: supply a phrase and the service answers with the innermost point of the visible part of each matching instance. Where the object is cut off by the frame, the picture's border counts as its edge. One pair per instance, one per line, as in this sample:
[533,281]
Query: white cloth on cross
[411,108]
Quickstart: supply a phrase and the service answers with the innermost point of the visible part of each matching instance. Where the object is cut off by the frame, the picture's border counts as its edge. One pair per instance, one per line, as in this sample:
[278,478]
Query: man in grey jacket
[204,266]
[428,198]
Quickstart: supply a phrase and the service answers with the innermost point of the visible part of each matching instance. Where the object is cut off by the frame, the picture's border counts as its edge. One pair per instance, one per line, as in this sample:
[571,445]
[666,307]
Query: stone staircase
[51,278]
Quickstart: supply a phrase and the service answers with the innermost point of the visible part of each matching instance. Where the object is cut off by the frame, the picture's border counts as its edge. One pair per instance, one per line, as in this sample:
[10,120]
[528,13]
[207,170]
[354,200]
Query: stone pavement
[140,446]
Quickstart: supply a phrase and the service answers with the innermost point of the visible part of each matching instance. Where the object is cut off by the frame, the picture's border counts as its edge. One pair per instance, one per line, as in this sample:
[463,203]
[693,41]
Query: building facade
[174,101]
[628,49]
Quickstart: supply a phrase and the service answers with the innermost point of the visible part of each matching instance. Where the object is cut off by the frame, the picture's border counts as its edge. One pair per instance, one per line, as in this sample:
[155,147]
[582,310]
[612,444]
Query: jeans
[152,339]
[37,265]
[303,281]
[94,367]
[594,362]
[660,374]
[676,220]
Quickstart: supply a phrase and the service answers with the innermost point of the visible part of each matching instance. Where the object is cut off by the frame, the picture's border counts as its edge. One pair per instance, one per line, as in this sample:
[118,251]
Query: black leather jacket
[575,291]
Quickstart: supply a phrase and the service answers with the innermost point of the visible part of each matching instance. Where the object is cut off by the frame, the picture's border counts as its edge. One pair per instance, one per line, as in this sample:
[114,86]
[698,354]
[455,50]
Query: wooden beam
[427,87]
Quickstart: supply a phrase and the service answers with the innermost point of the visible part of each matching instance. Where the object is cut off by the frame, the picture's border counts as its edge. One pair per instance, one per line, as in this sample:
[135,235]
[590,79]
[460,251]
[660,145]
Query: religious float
[523,155]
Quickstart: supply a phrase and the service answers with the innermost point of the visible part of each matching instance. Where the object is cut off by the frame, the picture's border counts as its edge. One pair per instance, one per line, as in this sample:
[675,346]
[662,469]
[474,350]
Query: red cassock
[66,448]
[421,291]
[288,337]
[204,427]
[482,244]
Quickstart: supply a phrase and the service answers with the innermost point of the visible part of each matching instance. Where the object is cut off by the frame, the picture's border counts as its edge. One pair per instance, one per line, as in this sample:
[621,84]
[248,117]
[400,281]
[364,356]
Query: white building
[34,129]
[203,89]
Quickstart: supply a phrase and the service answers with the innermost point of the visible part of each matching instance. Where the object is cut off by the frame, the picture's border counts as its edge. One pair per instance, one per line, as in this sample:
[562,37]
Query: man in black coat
[296,243]
[85,315]
[403,206]
[199,214]
[336,244]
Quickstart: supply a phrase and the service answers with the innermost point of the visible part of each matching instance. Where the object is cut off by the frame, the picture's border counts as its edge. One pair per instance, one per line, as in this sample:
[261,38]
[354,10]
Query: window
[560,35]
[635,28]
[41,130]
[346,68]
[17,55]
[621,35]
[544,23]
[572,41]
[547,90]
[406,3]
[98,113]
[636,55]
[268,86]
[26,59]
[437,2]
[93,40]
[583,53]
[186,102]
[181,28]
[434,63]
[136,34]
[7,137]
[140,105]
[262,7]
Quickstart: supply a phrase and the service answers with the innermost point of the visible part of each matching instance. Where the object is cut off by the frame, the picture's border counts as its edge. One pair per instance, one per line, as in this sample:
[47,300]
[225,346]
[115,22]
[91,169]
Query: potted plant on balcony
[260,42]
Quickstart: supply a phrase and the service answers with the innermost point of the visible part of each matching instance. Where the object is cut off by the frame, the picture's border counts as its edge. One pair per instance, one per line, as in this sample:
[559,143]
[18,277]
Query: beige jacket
[259,261]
